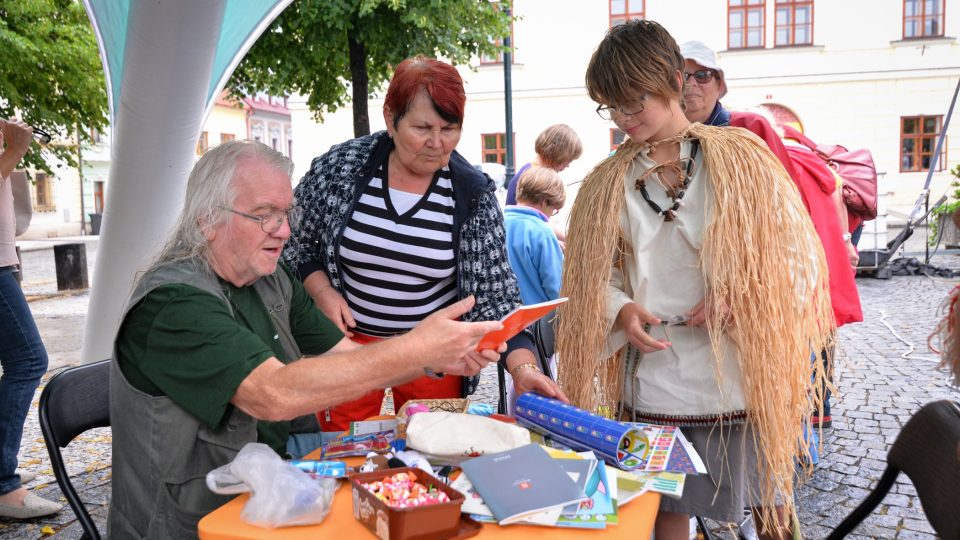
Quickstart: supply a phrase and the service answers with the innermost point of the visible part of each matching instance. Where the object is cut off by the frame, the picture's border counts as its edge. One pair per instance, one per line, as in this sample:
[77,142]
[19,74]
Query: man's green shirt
[183,343]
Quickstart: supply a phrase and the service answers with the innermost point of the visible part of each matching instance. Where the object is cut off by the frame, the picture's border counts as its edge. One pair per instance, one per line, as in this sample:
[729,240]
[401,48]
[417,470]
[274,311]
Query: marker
[328,469]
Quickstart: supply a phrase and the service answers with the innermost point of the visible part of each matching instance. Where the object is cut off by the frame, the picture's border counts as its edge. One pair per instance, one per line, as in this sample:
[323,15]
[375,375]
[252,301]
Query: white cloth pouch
[449,438]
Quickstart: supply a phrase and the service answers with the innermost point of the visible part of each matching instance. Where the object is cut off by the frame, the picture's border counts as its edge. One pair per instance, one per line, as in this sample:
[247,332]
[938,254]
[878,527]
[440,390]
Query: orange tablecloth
[224,523]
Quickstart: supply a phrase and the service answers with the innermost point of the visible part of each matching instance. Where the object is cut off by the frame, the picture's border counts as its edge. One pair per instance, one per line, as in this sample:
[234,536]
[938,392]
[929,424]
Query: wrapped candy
[403,491]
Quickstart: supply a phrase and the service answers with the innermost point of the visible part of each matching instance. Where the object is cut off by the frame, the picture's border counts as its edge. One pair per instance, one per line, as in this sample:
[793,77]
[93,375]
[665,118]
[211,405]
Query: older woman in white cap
[704,85]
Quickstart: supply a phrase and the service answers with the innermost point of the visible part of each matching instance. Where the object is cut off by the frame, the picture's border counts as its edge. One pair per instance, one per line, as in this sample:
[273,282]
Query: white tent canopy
[165,62]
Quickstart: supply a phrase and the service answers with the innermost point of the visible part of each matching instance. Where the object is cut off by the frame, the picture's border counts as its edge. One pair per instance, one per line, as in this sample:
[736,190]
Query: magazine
[631,485]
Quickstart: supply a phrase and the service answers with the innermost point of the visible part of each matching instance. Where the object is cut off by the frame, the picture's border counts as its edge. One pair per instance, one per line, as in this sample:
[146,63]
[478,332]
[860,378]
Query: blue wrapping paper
[622,446]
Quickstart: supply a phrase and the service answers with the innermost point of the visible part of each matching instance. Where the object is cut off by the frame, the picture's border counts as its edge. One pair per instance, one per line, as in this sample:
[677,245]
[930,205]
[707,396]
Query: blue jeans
[24,362]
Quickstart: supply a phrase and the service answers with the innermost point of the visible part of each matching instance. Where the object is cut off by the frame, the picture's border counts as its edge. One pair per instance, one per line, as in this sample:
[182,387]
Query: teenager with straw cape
[697,289]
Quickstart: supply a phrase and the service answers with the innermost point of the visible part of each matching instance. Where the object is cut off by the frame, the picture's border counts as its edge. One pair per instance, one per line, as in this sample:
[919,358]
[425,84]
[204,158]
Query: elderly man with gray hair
[220,347]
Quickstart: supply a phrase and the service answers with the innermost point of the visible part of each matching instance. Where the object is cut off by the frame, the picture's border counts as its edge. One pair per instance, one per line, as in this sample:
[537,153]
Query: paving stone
[816,531]
[911,512]
[905,489]
[906,534]
[823,484]
[848,470]
[883,521]
[918,525]
[860,481]
[833,519]
[874,442]
[892,499]
[867,531]
[872,464]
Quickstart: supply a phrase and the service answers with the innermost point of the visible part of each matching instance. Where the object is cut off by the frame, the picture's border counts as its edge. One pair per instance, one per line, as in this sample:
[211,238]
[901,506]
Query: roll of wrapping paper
[620,445]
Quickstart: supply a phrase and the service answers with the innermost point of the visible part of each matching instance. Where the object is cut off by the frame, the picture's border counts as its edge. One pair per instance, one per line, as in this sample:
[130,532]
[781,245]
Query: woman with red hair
[397,225]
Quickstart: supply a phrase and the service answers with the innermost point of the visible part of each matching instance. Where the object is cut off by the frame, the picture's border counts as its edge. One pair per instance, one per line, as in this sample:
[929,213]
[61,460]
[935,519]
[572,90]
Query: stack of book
[539,486]
[579,470]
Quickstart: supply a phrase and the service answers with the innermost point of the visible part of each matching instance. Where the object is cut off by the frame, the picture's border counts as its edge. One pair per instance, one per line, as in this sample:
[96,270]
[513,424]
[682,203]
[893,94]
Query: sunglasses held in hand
[41,136]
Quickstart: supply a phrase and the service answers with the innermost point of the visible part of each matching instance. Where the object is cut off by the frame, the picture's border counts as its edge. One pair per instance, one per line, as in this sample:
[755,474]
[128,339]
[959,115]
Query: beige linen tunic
[664,276]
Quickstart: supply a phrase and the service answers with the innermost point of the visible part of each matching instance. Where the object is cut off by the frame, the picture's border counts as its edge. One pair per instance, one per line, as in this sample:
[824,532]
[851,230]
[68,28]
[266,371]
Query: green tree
[50,72]
[328,49]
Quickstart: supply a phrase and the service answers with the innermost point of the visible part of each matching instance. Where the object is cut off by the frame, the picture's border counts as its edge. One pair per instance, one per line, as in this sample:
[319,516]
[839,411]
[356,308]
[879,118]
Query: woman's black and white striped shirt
[397,256]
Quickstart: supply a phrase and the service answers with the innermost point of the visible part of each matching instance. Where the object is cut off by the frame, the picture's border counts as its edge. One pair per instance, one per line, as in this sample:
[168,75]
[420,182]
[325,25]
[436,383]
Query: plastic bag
[283,495]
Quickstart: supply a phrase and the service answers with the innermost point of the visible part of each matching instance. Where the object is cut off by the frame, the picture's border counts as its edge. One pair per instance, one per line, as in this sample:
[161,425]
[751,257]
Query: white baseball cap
[703,55]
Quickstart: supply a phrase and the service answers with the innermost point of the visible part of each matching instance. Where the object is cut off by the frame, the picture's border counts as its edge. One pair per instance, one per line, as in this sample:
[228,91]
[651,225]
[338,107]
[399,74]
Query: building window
[498,41]
[289,148]
[922,18]
[794,23]
[622,11]
[224,137]
[918,140]
[494,148]
[203,144]
[745,23]
[98,197]
[616,138]
[43,194]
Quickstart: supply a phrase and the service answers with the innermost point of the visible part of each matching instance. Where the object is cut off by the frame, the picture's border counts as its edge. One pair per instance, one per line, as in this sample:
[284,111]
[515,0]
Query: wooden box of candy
[406,504]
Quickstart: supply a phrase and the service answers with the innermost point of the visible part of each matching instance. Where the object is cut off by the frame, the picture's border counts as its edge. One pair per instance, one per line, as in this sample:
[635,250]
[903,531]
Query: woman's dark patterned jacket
[328,193]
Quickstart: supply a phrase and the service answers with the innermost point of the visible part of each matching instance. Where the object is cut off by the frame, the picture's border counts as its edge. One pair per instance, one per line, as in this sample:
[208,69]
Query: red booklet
[516,321]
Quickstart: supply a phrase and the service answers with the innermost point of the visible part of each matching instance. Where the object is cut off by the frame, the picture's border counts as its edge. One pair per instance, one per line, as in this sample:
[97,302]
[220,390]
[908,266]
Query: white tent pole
[168,61]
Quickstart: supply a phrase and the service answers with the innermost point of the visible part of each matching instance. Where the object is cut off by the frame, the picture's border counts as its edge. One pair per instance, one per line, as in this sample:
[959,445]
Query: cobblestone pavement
[884,374]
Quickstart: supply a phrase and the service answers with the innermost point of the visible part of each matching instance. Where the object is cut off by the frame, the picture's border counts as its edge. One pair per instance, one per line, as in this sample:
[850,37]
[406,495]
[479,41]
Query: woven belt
[626,414]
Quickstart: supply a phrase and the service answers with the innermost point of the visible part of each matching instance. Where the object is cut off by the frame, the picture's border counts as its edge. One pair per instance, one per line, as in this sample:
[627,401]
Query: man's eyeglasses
[273,220]
[702,76]
[607,113]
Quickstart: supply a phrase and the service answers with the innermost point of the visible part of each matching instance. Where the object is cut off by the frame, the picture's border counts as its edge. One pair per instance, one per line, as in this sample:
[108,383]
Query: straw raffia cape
[760,258]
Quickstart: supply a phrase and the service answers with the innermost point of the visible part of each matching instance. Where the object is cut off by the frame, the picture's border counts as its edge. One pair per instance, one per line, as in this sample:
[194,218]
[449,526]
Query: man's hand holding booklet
[516,321]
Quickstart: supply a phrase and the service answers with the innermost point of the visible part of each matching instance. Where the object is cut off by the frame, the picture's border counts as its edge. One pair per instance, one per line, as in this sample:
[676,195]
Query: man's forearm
[274,391]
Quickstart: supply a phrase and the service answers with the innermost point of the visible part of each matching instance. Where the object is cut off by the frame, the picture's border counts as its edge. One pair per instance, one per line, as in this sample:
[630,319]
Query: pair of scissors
[676,320]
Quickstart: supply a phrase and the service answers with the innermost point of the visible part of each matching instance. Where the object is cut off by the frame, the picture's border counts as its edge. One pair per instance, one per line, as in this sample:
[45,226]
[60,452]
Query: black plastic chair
[74,401]
[544,337]
[927,450]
